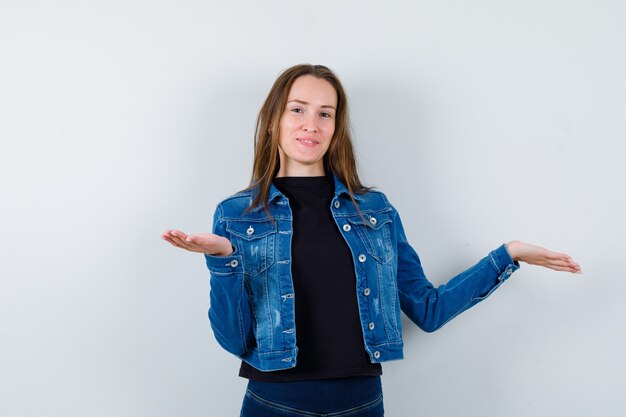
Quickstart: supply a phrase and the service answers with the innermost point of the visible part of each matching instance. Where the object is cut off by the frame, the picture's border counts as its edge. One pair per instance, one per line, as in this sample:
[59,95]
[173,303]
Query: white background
[482,121]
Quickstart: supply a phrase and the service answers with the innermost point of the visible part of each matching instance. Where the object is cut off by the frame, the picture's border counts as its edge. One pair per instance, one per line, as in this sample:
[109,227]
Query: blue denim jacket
[252,295]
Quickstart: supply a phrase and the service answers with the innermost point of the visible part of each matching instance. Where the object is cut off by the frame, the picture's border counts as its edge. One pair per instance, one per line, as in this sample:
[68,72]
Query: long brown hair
[339,159]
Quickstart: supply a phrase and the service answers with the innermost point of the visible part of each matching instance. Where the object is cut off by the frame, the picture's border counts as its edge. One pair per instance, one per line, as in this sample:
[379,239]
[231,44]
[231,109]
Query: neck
[301,171]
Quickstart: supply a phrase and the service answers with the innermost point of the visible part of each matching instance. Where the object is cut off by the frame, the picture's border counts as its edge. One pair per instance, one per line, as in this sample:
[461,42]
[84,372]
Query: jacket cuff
[503,263]
[224,264]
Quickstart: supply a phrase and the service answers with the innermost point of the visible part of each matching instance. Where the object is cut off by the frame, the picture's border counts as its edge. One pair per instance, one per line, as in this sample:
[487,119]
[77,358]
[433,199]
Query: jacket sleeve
[429,307]
[229,310]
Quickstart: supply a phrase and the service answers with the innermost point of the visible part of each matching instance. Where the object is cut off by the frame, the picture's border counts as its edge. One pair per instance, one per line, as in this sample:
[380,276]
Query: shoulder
[373,201]
[234,205]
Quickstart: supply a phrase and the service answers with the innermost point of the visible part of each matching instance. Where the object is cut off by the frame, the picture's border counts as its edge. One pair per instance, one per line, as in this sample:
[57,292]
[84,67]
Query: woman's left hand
[536,255]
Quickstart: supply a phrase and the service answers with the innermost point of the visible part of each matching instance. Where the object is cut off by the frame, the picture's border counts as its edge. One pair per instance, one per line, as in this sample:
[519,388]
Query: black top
[328,329]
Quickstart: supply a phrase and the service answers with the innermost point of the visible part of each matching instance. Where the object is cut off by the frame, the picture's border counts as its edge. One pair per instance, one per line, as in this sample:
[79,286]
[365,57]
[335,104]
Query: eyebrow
[325,106]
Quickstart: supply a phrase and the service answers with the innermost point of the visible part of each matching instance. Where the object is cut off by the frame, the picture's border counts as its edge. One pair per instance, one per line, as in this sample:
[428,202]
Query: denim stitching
[267,311]
[495,264]
[294,411]
[379,278]
[279,407]
[242,331]
[363,407]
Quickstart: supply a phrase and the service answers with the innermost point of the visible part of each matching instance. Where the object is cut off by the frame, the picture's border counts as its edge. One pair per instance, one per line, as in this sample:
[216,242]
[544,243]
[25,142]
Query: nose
[309,125]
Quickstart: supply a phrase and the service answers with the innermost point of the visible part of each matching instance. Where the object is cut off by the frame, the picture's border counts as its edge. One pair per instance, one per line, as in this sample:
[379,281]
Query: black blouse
[328,329]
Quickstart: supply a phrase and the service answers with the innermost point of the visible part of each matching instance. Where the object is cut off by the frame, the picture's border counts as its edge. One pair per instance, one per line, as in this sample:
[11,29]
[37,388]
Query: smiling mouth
[307,141]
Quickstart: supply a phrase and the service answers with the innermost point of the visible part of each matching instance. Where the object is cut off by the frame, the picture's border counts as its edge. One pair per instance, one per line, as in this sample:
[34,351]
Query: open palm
[208,243]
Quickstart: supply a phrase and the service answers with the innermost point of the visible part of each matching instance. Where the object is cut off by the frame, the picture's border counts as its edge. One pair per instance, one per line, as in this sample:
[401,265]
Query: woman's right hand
[208,243]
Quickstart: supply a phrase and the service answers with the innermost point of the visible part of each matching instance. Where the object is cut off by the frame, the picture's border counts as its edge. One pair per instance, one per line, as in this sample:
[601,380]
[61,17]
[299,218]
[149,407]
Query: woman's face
[306,127]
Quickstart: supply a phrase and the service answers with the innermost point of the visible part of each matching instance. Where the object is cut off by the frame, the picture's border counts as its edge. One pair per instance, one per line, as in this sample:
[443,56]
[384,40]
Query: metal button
[373,220]
[362,258]
[347,227]
[508,271]
[337,204]
[377,354]
[234,263]
[250,230]
[366,292]
[371,326]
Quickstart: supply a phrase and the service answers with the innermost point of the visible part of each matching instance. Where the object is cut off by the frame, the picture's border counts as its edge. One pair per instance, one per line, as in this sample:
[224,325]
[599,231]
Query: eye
[296,110]
[326,115]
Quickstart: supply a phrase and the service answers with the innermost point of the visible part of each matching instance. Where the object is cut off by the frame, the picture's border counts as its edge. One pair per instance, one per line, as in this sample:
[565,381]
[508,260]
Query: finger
[202,240]
[178,234]
[189,242]
[574,265]
[563,268]
[167,234]
[183,245]
[569,268]
[178,246]
[558,268]
[174,243]
[186,241]
[566,261]
[168,238]
[180,242]
[199,241]
[559,262]
[192,245]
[570,262]
[558,255]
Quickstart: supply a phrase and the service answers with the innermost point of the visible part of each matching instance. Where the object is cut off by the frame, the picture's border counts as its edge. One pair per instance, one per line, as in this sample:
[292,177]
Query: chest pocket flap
[375,234]
[250,230]
[255,242]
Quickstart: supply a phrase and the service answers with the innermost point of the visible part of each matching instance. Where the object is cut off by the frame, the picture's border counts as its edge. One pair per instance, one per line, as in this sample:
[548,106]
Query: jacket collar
[274,193]
[340,189]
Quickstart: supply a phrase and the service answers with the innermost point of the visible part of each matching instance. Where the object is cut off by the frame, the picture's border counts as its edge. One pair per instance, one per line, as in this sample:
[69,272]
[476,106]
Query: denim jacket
[252,294]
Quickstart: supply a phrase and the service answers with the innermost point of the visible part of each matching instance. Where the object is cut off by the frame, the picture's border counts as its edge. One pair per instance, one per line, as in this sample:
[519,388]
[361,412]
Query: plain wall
[482,121]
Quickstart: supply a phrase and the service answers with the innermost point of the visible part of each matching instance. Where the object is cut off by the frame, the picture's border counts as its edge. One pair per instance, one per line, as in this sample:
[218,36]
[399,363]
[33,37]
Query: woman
[287,253]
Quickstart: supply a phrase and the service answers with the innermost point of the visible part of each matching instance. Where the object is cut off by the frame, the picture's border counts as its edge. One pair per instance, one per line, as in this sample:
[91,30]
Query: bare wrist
[227,248]
[511,247]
